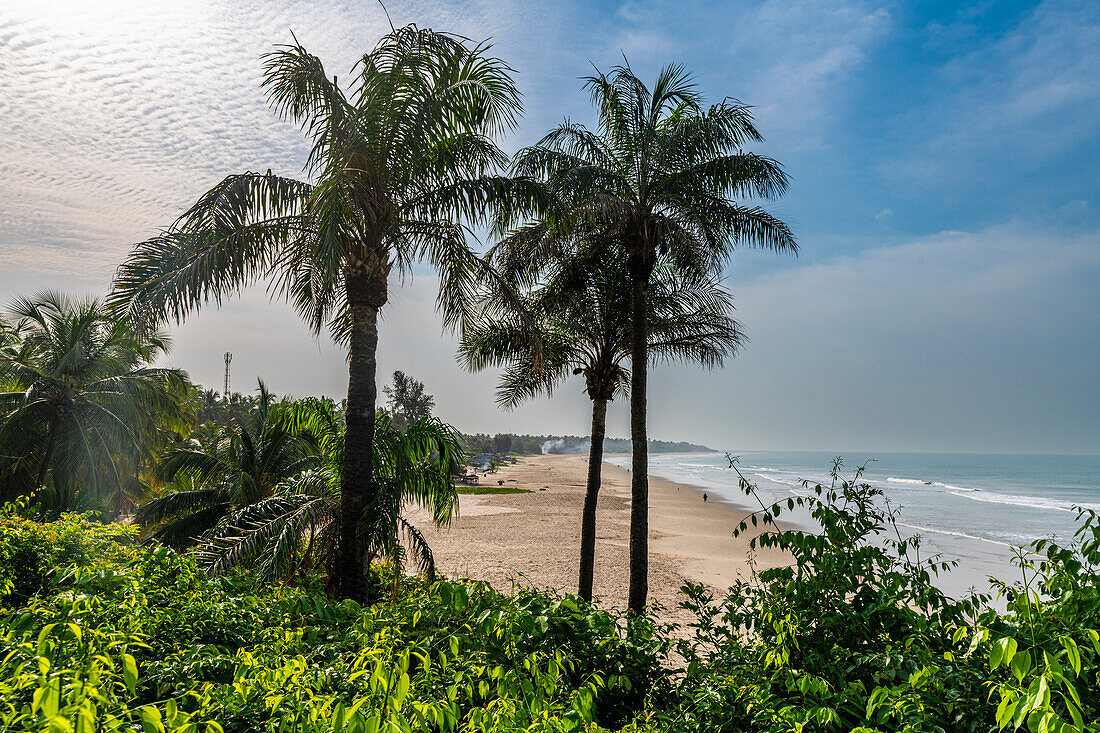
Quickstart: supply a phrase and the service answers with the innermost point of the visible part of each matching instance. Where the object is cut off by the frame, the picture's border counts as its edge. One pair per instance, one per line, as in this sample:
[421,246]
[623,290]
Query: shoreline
[533,539]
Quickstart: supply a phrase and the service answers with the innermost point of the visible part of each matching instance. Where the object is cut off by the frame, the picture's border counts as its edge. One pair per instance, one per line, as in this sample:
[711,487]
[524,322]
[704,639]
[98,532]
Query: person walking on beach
[704,496]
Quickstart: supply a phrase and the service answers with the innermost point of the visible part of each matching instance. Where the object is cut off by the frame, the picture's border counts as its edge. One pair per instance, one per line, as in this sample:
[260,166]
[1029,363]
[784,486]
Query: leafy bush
[1044,654]
[98,633]
[140,637]
[31,552]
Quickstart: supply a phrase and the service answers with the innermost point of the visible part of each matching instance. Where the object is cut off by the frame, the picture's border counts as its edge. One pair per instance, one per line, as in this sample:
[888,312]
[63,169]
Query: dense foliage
[109,635]
[854,635]
[99,633]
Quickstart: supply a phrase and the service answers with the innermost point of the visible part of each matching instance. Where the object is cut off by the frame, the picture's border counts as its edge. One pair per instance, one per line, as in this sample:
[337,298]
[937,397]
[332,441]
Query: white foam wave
[950,533]
[937,484]
[1031,502]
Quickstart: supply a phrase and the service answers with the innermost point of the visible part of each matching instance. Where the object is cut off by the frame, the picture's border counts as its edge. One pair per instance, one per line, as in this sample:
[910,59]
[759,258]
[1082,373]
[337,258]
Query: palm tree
[398,163]
[241,463]
[81,408]
[583,314]
[659,178]
[297,528]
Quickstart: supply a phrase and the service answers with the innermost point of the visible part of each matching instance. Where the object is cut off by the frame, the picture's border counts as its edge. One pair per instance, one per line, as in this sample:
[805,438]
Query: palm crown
[394,165]
[82,406]
[296,528]
[661,177]
[241,463]
[583,326]
[399,165]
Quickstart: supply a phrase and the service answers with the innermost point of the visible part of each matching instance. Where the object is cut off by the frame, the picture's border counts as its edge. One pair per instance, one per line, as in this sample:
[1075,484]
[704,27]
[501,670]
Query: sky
[945,166]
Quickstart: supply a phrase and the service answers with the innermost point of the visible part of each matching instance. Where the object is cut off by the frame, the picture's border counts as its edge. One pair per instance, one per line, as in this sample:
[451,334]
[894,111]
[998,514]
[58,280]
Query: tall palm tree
[241,463]
[584,324]
[660,177]
[297,527]
[399,162]
[80,406]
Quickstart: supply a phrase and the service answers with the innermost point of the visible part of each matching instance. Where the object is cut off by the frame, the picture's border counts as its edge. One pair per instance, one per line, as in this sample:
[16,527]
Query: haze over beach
[625,366]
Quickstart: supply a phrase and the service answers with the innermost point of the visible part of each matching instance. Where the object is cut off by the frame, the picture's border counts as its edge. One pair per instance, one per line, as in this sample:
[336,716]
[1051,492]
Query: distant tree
[407,400]
[401,160]
[662,176]
[584,327]
[214,407]
[81,406]
[502,443]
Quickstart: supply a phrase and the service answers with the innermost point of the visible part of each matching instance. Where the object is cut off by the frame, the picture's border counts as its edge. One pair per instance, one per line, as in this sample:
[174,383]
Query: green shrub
[30,552]
[97,633]
[141,637]
[854,636]
[1044,654]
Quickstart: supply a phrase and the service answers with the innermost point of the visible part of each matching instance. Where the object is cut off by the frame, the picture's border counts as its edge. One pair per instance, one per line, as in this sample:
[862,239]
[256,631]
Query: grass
[480,490]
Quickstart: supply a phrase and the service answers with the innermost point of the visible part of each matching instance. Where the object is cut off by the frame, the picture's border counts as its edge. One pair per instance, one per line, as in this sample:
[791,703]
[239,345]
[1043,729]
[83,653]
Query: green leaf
[1005,711]
[151,720]
[1002,652]
[1075,714]
[1021,665]
[401,690]
[59,724]
[129,672]
[1073,654]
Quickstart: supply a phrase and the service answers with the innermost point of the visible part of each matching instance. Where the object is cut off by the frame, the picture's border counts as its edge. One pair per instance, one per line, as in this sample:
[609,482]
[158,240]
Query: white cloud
[958,341]
[1012,102]
[117,114]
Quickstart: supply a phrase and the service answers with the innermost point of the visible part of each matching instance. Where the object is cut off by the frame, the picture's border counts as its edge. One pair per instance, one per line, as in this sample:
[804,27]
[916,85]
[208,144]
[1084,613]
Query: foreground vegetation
[100,633]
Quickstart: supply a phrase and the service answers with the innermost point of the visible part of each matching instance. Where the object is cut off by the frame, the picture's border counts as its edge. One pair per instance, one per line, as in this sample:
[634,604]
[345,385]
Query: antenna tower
[228,359]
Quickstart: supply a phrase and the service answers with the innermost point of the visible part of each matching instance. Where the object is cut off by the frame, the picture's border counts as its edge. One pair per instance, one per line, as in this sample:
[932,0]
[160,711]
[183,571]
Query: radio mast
[228,359]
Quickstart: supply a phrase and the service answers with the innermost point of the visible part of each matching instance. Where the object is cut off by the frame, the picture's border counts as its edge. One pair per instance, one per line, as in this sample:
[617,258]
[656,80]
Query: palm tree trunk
[51,443]
[592,492]
[639,479]
[366,295]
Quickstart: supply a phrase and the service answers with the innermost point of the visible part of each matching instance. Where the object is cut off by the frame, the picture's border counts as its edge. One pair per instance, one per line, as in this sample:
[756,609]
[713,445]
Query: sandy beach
[534,539]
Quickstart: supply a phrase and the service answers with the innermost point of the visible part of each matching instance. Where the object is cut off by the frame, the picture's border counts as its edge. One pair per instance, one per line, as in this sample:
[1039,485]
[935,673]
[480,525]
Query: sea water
[973,508]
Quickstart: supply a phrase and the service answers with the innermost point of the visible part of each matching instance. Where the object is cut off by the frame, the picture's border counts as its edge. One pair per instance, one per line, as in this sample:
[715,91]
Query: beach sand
[533,540]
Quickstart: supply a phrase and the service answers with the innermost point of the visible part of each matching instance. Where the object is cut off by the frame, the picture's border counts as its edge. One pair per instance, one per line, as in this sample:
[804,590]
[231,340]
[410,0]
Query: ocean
[973,508]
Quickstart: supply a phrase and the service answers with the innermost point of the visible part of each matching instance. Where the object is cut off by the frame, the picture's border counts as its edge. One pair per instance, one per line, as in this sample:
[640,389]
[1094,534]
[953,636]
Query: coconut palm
[297,528]
[660,177]
[242,462]
[81,408]
[399,164]
[583,314]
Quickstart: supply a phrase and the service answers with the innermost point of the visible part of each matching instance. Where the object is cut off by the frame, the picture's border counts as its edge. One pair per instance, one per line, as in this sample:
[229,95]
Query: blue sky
[944,160]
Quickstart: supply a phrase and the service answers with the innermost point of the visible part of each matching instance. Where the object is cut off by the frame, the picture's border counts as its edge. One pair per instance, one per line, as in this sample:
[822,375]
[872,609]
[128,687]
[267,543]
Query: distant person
[704,496]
